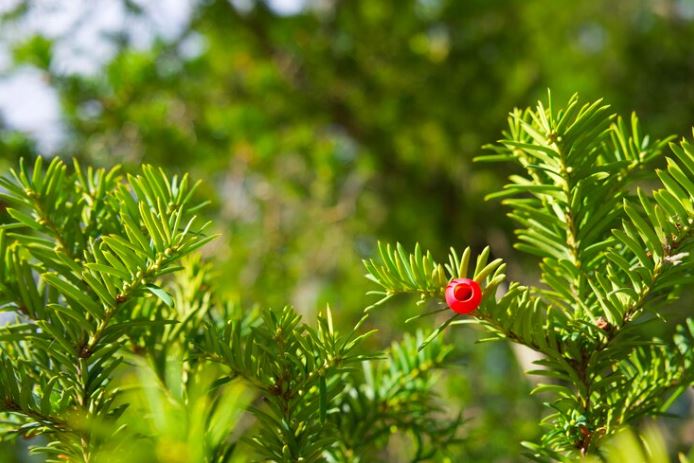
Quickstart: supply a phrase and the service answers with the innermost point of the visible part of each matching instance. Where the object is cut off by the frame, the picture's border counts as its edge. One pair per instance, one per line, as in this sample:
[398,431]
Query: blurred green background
[322,126]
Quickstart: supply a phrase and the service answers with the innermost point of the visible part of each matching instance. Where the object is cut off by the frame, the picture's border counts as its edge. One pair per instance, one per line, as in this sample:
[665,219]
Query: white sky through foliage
[81,30]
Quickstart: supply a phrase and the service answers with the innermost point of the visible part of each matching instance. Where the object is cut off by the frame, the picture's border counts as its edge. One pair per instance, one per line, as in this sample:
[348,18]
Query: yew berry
[463,295]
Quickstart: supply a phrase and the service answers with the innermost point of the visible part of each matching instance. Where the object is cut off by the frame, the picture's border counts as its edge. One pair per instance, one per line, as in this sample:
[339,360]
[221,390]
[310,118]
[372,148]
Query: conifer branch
[608,257]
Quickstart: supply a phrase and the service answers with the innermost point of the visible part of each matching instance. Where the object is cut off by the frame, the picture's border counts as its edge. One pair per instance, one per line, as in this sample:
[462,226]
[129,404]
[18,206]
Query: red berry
[463,295]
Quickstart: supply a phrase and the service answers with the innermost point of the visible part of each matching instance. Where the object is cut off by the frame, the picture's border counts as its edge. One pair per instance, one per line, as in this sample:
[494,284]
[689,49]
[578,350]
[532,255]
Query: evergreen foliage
[121,347]
[613,255]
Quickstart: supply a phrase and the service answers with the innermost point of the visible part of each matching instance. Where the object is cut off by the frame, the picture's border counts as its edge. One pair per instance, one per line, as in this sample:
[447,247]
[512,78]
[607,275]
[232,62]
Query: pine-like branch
[609,258]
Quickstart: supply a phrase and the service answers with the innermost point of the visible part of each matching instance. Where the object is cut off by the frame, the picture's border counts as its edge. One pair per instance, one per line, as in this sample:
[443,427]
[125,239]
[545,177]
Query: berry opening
[463,292]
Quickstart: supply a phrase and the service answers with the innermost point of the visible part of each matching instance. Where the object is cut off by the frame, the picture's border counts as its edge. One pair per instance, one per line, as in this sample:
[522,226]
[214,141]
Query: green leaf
[160,293]
[24,218]
[114,271]
[73,293]
[645,230]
